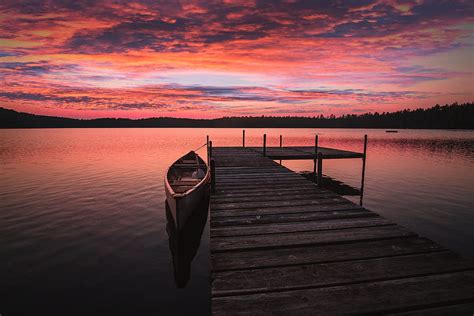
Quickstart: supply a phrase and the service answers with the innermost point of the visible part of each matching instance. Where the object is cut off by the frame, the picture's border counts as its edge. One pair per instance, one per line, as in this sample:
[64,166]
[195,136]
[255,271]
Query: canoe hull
[181,208]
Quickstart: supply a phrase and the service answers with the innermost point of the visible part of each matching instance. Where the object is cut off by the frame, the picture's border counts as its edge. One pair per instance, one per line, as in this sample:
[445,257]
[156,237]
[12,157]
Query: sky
[206,59]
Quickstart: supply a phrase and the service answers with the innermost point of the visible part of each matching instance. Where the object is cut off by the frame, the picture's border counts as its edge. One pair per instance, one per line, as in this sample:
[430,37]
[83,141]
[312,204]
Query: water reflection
[184,243]
[332,184]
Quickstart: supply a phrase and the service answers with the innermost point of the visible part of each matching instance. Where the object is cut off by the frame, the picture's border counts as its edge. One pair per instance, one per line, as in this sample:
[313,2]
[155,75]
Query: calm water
[83,221]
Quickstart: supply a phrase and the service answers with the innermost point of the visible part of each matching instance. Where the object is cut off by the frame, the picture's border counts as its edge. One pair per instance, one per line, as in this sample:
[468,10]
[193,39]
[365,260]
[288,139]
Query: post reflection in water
[184,243]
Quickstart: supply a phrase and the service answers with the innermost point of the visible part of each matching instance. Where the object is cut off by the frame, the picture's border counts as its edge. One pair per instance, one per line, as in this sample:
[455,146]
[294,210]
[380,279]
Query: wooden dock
[282,245]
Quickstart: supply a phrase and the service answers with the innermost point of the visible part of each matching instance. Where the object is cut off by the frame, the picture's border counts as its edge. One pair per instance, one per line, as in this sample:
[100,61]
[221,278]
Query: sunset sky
[229,58]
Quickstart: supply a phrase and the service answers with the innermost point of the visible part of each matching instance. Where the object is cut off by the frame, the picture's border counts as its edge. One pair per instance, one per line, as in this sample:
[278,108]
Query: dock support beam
[320,169]
[243,138]
[264,145]
[315,153]
[363,170]
[213,175]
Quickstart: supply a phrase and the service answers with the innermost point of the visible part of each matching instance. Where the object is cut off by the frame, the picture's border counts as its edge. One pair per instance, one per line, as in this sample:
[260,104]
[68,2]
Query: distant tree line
[453,116]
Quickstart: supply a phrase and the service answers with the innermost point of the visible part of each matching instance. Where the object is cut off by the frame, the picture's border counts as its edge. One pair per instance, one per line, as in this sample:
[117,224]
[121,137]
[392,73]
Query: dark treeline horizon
[452,116]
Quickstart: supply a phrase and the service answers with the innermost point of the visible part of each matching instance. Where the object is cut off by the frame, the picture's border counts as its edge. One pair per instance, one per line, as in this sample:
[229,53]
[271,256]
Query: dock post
[213,175]
[243,138]
[363,170]
[281,144]
[207,148]
[320,169]
[210,150]
[264,145]
[315,153]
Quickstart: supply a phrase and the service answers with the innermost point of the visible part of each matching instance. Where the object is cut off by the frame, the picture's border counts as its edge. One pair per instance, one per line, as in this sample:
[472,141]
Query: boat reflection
[184,243]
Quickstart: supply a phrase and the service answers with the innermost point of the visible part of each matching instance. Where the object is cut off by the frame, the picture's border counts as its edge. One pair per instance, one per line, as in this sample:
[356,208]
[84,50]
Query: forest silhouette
[453,116]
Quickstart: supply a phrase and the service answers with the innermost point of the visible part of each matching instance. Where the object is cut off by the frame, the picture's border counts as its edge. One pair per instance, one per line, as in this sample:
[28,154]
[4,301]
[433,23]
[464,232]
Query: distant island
[453,116]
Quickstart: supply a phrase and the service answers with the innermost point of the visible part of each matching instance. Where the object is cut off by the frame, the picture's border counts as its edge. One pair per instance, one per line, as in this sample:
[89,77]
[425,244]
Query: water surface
[83,220]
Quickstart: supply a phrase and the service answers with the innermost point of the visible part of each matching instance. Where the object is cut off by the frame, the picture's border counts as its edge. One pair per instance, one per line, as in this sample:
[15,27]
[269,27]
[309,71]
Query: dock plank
[251,259]
[303,226]
[307,238]
[258,203]
[219,201]
[275,218]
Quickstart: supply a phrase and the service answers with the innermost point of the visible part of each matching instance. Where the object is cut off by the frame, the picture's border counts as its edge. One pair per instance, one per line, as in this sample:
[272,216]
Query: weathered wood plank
[320,253]
[260,213]
[246,205]
[216,201]
[288,218]
[267,189]
[258,183]
[307,238]
[335,273]
[224,182]
[466,309]
[298,226]
[373,297]
[270,175]
[237,187]
[279,192]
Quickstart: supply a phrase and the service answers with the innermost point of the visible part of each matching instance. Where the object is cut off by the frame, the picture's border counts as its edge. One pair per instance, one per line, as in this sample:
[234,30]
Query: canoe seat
[188,161]
[185,165]
[190,179]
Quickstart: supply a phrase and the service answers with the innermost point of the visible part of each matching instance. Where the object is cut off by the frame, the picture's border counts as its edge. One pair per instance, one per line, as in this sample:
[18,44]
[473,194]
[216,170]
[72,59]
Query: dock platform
[282,245]
[305,152]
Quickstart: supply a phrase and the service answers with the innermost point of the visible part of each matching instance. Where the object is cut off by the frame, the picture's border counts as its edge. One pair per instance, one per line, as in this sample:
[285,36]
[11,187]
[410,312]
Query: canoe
[186,185]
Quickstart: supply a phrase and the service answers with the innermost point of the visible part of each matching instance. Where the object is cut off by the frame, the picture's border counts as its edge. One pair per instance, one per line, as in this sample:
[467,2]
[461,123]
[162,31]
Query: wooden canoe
[186,185]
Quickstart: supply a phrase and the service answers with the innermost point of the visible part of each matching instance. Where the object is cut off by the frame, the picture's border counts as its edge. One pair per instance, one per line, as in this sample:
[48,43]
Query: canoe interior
[180,175]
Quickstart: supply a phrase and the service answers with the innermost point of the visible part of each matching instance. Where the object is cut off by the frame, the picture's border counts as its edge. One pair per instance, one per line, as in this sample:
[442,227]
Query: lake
[83,221]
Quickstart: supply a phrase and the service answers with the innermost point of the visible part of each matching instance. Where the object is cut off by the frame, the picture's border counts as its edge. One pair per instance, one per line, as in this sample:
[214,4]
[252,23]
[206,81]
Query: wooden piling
[320,169]
[210,150]
[315,153]
[213,175]
[264,144]
[243,138]
[207,149]
[363,170]
[281,143]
